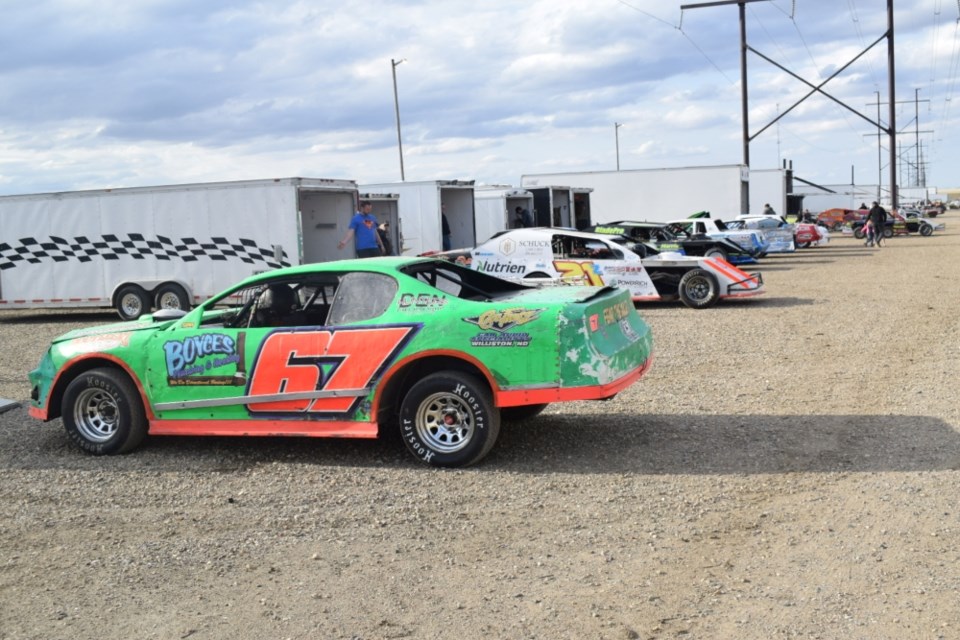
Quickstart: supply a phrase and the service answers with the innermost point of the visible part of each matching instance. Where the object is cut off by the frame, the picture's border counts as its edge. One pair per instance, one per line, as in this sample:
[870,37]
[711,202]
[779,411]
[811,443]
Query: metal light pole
[396,106]
[616,136]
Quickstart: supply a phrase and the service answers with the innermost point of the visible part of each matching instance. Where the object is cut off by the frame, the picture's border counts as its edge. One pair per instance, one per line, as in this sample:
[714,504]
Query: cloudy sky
[97,94]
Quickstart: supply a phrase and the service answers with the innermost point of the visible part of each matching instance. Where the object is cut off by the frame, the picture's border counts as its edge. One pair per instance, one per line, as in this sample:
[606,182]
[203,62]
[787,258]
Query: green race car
[351,348]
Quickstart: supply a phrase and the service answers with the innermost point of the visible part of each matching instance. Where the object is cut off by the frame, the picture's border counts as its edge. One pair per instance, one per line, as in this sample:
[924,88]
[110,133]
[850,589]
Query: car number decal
[571,270]
[347,360]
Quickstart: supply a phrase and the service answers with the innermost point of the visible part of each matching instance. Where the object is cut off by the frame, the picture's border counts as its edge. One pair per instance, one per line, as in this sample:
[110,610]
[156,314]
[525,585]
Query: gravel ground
[788,469]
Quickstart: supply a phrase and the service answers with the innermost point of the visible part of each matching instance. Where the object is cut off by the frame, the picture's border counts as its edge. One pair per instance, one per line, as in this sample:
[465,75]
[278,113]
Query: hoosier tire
[448,419]
[699,289]
[102,412]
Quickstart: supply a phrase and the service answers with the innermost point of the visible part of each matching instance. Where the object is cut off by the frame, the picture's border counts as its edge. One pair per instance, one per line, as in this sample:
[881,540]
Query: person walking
[363,229]
[878,220]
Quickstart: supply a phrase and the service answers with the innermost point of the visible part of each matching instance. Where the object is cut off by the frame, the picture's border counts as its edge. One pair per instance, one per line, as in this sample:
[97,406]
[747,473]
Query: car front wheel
[926,229]
[448,419]
[102,412]
[699,289]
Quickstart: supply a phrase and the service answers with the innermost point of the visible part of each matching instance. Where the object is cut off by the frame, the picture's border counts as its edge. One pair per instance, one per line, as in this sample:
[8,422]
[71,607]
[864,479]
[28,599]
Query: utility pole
[744,47]
[616,136]
[396,106]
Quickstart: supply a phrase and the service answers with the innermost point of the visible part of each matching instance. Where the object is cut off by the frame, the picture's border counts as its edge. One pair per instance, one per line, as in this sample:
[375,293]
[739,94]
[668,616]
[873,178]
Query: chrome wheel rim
[445,423]
[132,305]
[96,415]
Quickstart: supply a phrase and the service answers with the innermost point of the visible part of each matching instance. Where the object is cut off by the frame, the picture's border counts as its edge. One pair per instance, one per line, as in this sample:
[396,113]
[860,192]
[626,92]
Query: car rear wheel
[524,412]
[102,412]
[132,302]
[699,289]
[859,234]
[448,419]
[887,232]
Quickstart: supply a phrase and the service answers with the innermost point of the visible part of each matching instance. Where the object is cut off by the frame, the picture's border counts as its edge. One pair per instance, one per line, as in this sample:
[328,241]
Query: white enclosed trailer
[556,205]
[171,246]
[656,194]
[420,205]
[496,207]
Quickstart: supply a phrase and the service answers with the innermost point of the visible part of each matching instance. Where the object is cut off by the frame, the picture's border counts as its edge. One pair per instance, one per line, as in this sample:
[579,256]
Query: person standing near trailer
[363,228]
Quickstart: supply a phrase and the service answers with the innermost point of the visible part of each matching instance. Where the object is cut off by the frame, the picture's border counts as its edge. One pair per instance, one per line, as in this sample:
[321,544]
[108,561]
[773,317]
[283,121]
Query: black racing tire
[521,413]
[102,412]
[171,296]
[699,289]
[837,226]
[887,232]
[715,252]
[803,245]
[448,419]
[926,229]
[859,234]
[132,302]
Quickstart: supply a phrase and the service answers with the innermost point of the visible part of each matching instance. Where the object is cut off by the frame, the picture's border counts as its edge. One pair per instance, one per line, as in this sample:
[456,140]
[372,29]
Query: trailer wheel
[102,412]
[132,302]
[172,296]
[926,229]
[699,289]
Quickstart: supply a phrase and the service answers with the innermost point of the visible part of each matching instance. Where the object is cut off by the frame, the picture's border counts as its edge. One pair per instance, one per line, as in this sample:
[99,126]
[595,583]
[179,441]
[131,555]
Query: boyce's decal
[199,360]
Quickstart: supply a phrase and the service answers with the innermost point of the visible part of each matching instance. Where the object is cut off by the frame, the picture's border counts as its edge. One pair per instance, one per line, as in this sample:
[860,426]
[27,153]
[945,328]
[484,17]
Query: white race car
[559,256]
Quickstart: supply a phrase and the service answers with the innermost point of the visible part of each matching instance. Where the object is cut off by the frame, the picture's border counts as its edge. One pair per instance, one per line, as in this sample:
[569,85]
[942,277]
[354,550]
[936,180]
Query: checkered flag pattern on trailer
[136,246]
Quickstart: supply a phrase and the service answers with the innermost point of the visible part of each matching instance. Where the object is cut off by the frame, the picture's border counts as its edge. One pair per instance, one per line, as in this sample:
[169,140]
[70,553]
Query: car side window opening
[361,296]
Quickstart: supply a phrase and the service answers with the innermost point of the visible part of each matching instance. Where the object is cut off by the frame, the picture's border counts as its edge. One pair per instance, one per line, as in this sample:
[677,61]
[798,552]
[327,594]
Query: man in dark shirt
[878,222]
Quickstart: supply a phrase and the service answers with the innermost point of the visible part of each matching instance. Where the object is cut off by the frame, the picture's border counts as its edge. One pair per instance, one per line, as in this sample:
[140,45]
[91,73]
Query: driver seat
[275,306]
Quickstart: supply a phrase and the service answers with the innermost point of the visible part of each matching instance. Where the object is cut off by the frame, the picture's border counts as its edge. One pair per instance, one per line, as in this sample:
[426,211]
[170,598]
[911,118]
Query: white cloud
[163,91]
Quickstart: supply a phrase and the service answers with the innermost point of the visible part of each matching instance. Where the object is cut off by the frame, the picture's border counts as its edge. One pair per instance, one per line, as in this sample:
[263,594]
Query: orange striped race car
[550,255]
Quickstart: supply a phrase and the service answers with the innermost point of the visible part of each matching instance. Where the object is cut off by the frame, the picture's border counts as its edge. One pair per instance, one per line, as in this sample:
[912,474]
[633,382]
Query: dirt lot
[789,469]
